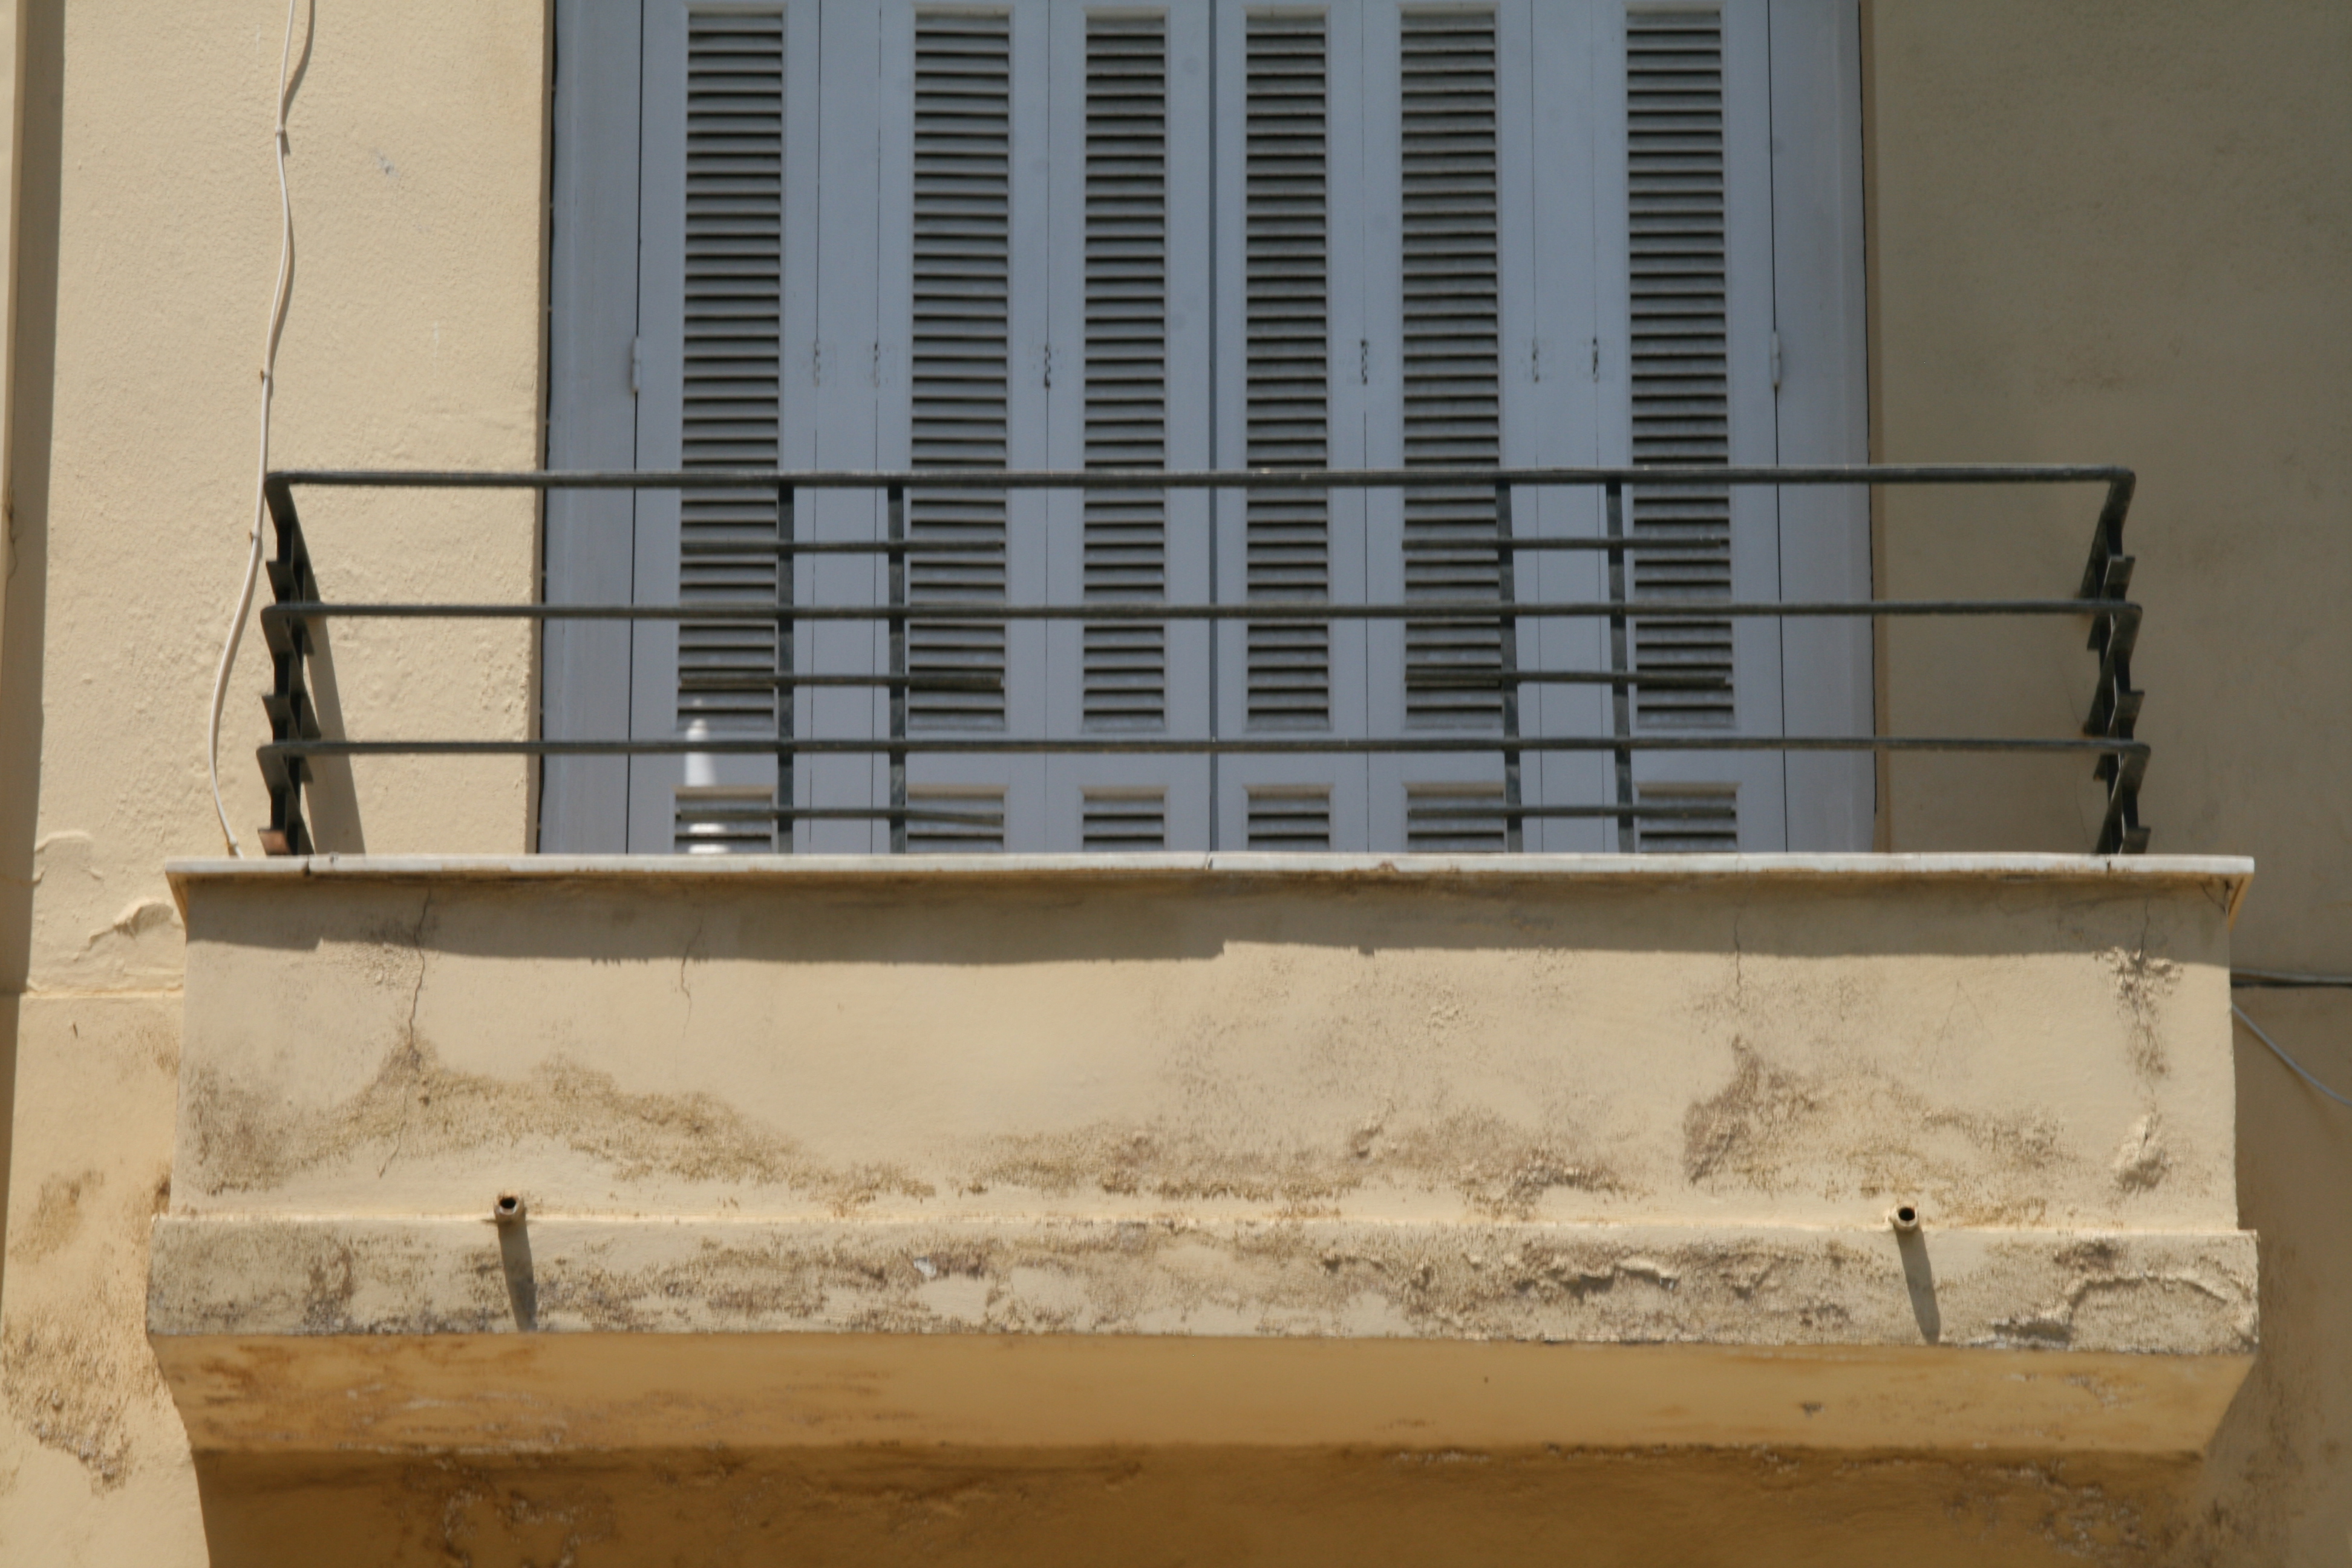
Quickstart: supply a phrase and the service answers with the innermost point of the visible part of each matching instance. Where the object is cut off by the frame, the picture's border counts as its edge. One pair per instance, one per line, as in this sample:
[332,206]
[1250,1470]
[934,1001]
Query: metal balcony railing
[2120,761]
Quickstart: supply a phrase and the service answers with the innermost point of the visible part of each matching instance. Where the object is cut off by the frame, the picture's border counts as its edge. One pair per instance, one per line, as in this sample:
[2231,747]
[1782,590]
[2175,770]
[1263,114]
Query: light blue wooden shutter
[727,169]
[1698,269]
[1129,105]
[1292,375]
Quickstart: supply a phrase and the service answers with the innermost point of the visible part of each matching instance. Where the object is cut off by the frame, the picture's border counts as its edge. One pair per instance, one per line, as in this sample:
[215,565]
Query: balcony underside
[1206,1151]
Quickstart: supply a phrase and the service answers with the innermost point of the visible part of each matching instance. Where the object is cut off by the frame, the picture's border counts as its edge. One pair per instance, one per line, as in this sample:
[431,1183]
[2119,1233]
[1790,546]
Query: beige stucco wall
[2110,232]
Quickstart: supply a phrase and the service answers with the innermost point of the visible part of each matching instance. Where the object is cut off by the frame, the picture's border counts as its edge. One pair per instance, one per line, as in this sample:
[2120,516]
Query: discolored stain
[416,1108]
[56,1217]
[1736,1131]
[1865,1133]
[1494,1166]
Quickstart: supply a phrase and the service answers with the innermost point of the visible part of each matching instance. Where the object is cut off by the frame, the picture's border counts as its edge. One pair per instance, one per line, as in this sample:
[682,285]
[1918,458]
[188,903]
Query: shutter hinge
[1596,359]
[1364,360]
[1045,366]
[636,365]
[1776,362]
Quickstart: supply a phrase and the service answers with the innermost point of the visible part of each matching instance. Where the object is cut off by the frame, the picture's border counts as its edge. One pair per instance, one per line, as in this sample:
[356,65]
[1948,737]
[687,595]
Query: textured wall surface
[2099,231]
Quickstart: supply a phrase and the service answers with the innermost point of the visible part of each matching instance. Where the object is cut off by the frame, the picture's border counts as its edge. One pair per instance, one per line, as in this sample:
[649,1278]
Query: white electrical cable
[278,301]
[2290,1061]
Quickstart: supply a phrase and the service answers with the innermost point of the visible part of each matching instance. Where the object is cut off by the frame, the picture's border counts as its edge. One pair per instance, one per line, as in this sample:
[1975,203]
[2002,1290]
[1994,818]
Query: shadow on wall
[884,918]
[25,519]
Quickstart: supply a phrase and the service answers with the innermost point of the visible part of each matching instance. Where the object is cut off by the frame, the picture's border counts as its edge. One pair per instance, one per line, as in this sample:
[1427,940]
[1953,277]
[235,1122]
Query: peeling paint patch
[2142,1160]
[135,921]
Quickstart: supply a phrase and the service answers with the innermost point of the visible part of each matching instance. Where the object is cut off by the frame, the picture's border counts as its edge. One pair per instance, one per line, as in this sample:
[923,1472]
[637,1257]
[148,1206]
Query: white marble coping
[2232,871]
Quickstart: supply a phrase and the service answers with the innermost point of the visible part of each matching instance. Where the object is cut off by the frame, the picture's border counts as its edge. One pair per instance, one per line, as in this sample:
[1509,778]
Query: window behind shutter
[1681,342]
[1287,334]
[1047,233]
[961,357]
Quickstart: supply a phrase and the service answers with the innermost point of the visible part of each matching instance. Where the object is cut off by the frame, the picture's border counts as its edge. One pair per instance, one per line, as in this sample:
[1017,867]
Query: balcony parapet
[1237,1149]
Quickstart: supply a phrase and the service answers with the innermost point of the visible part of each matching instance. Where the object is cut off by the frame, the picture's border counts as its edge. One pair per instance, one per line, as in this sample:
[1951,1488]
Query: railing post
[1505,585]
[1620,666]
[898,526]
[787,692]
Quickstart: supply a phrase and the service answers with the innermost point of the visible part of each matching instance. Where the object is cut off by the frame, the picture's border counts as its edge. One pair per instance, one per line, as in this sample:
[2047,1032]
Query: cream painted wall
[2100,231]
[418,176]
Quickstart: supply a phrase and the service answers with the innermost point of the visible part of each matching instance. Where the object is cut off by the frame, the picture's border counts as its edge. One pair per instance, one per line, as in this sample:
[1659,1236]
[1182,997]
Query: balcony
[1844,1151]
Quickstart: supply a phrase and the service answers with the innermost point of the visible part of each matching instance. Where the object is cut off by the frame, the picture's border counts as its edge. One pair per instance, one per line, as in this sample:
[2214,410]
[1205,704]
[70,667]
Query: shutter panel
[728,150]
[1680,368]
[1698,269]
[1128,313]
[960,356]
[730,409]
[1452,359]
[1125,531]
[1287,336]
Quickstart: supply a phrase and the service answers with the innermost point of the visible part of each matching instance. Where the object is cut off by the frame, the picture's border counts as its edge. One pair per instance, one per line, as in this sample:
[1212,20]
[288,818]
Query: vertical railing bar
[1506,589]
[787,694]
[898,535]
[1620,664]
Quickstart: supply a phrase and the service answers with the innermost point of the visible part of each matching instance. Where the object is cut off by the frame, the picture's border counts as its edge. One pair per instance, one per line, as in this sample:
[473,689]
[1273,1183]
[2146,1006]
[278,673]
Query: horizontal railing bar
[841,547]
[960,746]
[1630,546]
[1193,478]
[1675,813]
[888,682]
[962,554]
[839,813]
[987,614]
[1495,681]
